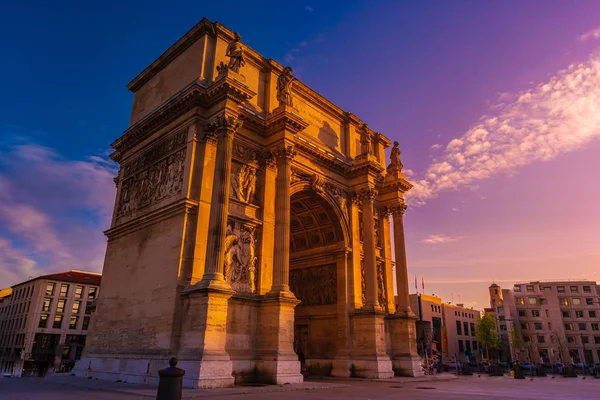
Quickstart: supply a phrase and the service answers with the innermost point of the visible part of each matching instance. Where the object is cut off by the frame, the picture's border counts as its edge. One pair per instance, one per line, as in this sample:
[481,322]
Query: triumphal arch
[251,231]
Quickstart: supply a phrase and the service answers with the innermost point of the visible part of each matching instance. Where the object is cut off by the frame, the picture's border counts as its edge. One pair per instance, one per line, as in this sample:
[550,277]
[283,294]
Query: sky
[496,106]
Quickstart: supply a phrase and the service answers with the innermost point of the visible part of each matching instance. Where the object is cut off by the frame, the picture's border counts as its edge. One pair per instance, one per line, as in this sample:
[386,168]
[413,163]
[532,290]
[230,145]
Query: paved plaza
[443,387]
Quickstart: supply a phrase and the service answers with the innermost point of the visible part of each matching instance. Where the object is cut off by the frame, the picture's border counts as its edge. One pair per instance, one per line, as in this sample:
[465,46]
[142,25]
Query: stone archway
[316,247]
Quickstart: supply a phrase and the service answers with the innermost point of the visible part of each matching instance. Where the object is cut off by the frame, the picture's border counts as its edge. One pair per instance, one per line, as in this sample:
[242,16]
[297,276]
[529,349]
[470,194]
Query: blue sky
[424,73]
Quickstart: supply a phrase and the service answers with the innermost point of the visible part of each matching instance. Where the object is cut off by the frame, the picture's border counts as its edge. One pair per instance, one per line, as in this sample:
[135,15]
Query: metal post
[170,382]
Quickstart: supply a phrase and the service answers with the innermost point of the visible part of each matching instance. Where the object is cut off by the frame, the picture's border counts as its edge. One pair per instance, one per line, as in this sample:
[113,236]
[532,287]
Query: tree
[486,333]
[561,346]
[516,340]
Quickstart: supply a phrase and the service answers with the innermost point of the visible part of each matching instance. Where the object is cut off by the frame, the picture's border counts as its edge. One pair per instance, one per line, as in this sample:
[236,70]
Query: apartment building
[44,322]
[447,329]
[558,320]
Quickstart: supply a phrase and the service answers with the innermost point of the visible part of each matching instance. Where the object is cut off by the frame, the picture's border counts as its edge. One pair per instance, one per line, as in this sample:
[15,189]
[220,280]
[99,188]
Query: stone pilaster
[224,128]
[281,260]
[405,358]
[342,362]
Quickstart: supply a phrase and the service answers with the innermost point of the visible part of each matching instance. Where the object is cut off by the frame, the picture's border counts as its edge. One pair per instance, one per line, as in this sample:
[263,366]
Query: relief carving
[155,153]
[243,182]
[315,286]
[363,282]
[240,259]
[340,196]
[161,180]
[365,141]
[381,292]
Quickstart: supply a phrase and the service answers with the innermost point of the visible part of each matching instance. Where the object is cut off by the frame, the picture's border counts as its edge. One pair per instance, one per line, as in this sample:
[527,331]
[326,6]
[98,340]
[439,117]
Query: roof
[5,292]
[73,276]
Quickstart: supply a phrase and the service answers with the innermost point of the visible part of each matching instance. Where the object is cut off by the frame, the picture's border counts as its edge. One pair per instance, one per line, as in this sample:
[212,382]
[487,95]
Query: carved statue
[240,258]
[243,183]
[230,253]
[395,163]
[381,294]
[284,87]
[235,52]
[365,143]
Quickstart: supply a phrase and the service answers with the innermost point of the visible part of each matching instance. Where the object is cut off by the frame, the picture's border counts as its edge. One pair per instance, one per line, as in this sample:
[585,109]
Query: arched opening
[316,251]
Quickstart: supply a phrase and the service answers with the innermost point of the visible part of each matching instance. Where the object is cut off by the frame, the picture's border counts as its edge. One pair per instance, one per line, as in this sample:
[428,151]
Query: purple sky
[496,106]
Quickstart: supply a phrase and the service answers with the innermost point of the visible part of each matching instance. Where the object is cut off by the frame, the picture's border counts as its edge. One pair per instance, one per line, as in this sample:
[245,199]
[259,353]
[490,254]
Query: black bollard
[571,371]
[519,372]
[540,370]
[170,382]
[466,369]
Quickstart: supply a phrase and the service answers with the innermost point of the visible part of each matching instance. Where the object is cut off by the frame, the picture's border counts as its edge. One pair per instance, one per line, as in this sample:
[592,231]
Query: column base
[207,374]
[342,368]
[377,368]
[369,357]
[279,372]
[408,365]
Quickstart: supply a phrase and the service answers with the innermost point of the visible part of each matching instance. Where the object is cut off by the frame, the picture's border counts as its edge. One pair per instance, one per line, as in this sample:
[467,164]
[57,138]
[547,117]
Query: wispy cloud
[309,8]
[592,34]
[555,117]
[52,211]
[440,238]
[436,146]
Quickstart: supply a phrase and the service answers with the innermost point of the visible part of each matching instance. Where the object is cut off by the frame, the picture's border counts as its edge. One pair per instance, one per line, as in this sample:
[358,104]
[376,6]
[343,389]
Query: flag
[423,283]
[416,287]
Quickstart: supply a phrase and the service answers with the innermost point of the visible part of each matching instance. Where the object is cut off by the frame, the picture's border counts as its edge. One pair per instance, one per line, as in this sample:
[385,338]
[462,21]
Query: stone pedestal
[369,359]
[278,363]
[202,345]
[403,336]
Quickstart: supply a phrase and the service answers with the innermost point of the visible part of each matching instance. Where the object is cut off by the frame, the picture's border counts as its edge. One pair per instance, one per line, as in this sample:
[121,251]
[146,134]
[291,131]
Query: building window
[43,321]
[547,289]
[526,339]
[502,327]
[76,307]
[461,346]
[574,289]
[517,288]
[550,325]
[65,352]
[597,340]
[64,290]
[50,289]
[578,314]
[566,314]
[79,292]
[568,327]
[587,289]
[46,306]
[466,326]
[576,301]
[78,351]
[541,339]
[86,323]
[547,312]
[530,288]
[500,310]
[570,339]
[472,329]
[582,326]
[73,322]
[564,301]
[60,306]
[560,289]
[592,314]
[535,313]
[532,300]
[521,301]
[538,326]
[594,327]
[524,326]
[474,345]
[458,328]
[589,302]
[92,293]
[585,339]
[57,321]
[522,313]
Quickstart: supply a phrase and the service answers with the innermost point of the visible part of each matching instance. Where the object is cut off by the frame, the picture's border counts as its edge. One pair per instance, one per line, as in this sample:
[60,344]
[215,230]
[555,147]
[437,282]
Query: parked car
[526,365]
[504,364]
[450,365]
[484,366]
[581,365]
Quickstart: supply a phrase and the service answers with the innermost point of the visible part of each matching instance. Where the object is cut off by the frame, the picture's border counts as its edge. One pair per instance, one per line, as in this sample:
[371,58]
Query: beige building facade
[251,230]
[445,328]
[44,323]
[554,321]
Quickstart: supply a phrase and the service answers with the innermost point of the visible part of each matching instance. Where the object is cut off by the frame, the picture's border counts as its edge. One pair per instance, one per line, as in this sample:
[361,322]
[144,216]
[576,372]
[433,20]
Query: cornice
[369,165]
[282,120]
[228,88]
[399,184]
[322,156]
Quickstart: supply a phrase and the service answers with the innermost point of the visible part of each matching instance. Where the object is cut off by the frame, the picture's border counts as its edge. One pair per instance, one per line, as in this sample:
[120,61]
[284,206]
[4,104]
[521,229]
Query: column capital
[396,210]
[284,151]
[365,194]
[269,159]
[221,124]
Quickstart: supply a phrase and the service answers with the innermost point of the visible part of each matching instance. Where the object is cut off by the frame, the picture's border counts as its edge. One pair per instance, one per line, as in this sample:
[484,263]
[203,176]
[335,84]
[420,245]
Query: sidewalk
[149,391]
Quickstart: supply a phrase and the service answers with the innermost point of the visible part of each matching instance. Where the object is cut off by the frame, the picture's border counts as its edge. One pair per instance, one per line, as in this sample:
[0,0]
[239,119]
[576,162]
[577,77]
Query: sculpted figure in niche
[284,87]
[235,52]
[395,163]
[247,183]
[365,143]
[230,253]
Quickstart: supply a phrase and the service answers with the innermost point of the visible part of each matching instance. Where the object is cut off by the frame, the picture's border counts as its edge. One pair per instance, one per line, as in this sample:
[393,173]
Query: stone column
[401,266]
[224,128]
[342,362]
[281,261]
[371,301]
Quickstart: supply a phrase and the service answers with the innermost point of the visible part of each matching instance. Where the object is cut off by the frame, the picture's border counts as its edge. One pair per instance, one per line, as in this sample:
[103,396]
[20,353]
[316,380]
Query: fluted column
[223,129]
[401,266]
[368,196]
[281,259]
